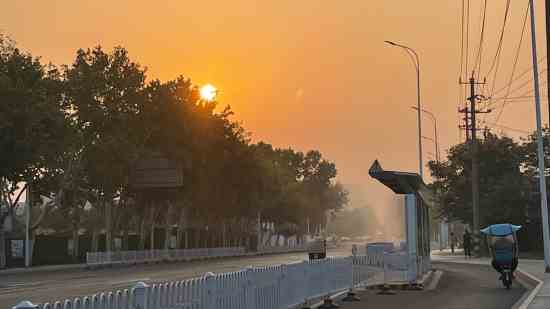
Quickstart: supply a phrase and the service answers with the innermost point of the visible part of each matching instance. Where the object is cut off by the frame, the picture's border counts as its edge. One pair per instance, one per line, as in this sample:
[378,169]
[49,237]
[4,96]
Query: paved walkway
[534,267]
[462,286]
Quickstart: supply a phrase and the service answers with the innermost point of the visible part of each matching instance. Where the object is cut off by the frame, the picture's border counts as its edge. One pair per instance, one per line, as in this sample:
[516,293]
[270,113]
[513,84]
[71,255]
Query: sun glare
[208,92]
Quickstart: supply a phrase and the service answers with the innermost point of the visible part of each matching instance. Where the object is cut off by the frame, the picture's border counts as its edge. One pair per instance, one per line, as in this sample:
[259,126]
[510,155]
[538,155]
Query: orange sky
[305,74]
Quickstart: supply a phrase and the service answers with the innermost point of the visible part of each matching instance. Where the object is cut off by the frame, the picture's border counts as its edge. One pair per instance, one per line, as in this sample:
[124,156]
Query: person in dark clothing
[467,244]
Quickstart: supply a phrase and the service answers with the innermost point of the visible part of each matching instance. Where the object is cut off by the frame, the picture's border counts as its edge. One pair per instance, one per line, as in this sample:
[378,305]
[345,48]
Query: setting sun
[208,92]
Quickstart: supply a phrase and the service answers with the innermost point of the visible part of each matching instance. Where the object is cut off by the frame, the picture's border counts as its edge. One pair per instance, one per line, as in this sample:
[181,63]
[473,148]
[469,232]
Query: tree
[32,125]
[73,137]
[502,185]
[105,91]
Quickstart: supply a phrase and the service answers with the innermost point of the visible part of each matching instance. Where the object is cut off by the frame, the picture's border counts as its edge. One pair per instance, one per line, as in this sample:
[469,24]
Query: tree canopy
[75,132]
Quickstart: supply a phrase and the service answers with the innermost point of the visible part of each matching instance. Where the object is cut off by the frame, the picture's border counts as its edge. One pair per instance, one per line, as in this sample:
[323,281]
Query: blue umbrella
[502,229]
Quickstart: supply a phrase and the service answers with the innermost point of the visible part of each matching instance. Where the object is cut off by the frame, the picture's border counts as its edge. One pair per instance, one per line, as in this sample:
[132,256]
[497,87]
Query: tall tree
[105,91]
[502,185]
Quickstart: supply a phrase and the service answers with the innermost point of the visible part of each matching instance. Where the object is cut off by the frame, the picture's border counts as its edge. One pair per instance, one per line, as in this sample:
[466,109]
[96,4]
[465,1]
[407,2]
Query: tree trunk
[32,239]
[152,244]
[125,239]
[2,250]
[142,223]
[95,240]
[108,224]
[185,239]
[76,248]
[168,227]
[224,240]
[180,230]
[197,238]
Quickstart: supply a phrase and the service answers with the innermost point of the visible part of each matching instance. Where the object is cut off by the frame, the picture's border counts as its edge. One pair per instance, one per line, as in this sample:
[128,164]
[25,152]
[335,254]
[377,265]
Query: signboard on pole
[156,172]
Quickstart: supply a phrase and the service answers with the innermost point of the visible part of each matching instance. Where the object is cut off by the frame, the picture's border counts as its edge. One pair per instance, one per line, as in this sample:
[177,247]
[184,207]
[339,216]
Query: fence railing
[271,287]
[281,249]
[150,256]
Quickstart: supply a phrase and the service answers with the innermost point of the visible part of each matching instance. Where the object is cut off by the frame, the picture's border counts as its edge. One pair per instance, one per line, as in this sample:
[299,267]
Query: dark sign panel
[156,172]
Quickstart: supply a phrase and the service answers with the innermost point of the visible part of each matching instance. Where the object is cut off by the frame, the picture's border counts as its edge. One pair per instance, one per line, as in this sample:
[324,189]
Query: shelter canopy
[402,182]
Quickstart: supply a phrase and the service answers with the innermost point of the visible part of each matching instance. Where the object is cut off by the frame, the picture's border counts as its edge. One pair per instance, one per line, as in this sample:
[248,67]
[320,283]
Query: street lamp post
[540,143]
[416,62]
[437,159]
[436,137]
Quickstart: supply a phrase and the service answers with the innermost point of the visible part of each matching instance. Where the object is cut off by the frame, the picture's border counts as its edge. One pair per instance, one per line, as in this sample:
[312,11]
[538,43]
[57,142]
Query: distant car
[317,249]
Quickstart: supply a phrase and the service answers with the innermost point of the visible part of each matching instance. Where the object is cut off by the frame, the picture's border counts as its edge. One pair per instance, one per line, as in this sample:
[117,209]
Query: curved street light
[432,116]
[414,57]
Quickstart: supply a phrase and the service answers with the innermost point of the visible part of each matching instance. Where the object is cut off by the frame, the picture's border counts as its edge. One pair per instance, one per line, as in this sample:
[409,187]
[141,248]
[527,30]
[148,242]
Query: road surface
[461,287]
[40,287]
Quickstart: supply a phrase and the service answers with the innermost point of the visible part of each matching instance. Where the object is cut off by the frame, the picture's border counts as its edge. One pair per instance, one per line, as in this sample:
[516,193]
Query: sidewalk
[540,295]
[462,286]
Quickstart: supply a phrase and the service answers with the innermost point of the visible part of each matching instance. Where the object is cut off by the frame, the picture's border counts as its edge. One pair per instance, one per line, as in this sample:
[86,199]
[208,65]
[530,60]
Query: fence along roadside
[94,259]
[282,286]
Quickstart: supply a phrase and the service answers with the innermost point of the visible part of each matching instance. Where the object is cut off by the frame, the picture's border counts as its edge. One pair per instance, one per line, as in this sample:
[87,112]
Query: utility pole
[475,167]
[466,119]
[28,206]
[547,4]
[540,145]
[475,163]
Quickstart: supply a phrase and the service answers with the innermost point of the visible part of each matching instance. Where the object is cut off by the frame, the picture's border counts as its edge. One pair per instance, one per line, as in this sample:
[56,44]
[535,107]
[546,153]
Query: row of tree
[72,135]
[508,181]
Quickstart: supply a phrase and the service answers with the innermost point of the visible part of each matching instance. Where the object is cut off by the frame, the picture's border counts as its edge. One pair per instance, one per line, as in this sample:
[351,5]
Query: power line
[524,97]
[467,34]
[477,62]
[462,41]
[501,38]
[507,128]
[496,59]
[530,69]
[522,85]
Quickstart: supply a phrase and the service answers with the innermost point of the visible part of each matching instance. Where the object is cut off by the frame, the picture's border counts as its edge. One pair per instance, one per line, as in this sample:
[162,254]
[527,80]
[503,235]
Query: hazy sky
[305,74]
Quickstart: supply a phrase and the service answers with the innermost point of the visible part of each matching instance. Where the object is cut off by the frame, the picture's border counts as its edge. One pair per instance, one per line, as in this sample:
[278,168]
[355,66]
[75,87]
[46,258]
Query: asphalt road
[40,287]
[461,287]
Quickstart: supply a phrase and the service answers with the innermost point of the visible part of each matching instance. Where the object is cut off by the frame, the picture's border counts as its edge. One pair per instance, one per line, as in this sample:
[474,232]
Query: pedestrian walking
[467,241]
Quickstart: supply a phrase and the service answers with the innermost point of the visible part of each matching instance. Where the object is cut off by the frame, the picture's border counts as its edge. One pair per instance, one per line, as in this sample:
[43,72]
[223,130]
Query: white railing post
[25,305]
[141,295]
[249,290]
[210,293]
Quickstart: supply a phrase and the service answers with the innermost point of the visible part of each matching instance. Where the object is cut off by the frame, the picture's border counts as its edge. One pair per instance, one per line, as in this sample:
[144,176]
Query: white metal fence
[280,249]
[271,287]
[150,256]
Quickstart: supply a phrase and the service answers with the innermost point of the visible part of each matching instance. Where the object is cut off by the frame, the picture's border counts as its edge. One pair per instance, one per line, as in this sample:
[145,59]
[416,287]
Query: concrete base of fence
[351,296]
[416,286]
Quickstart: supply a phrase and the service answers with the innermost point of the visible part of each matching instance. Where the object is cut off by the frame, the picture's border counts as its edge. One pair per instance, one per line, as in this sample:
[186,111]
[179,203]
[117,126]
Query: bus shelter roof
[402,182]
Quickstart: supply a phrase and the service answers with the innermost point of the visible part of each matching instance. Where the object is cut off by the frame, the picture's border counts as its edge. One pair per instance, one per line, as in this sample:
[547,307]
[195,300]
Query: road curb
[36,269]
[92,267]
[533,286]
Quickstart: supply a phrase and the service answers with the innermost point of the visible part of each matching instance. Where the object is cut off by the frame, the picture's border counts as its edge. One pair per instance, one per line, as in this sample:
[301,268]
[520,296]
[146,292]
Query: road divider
[102,259]
[282,286]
